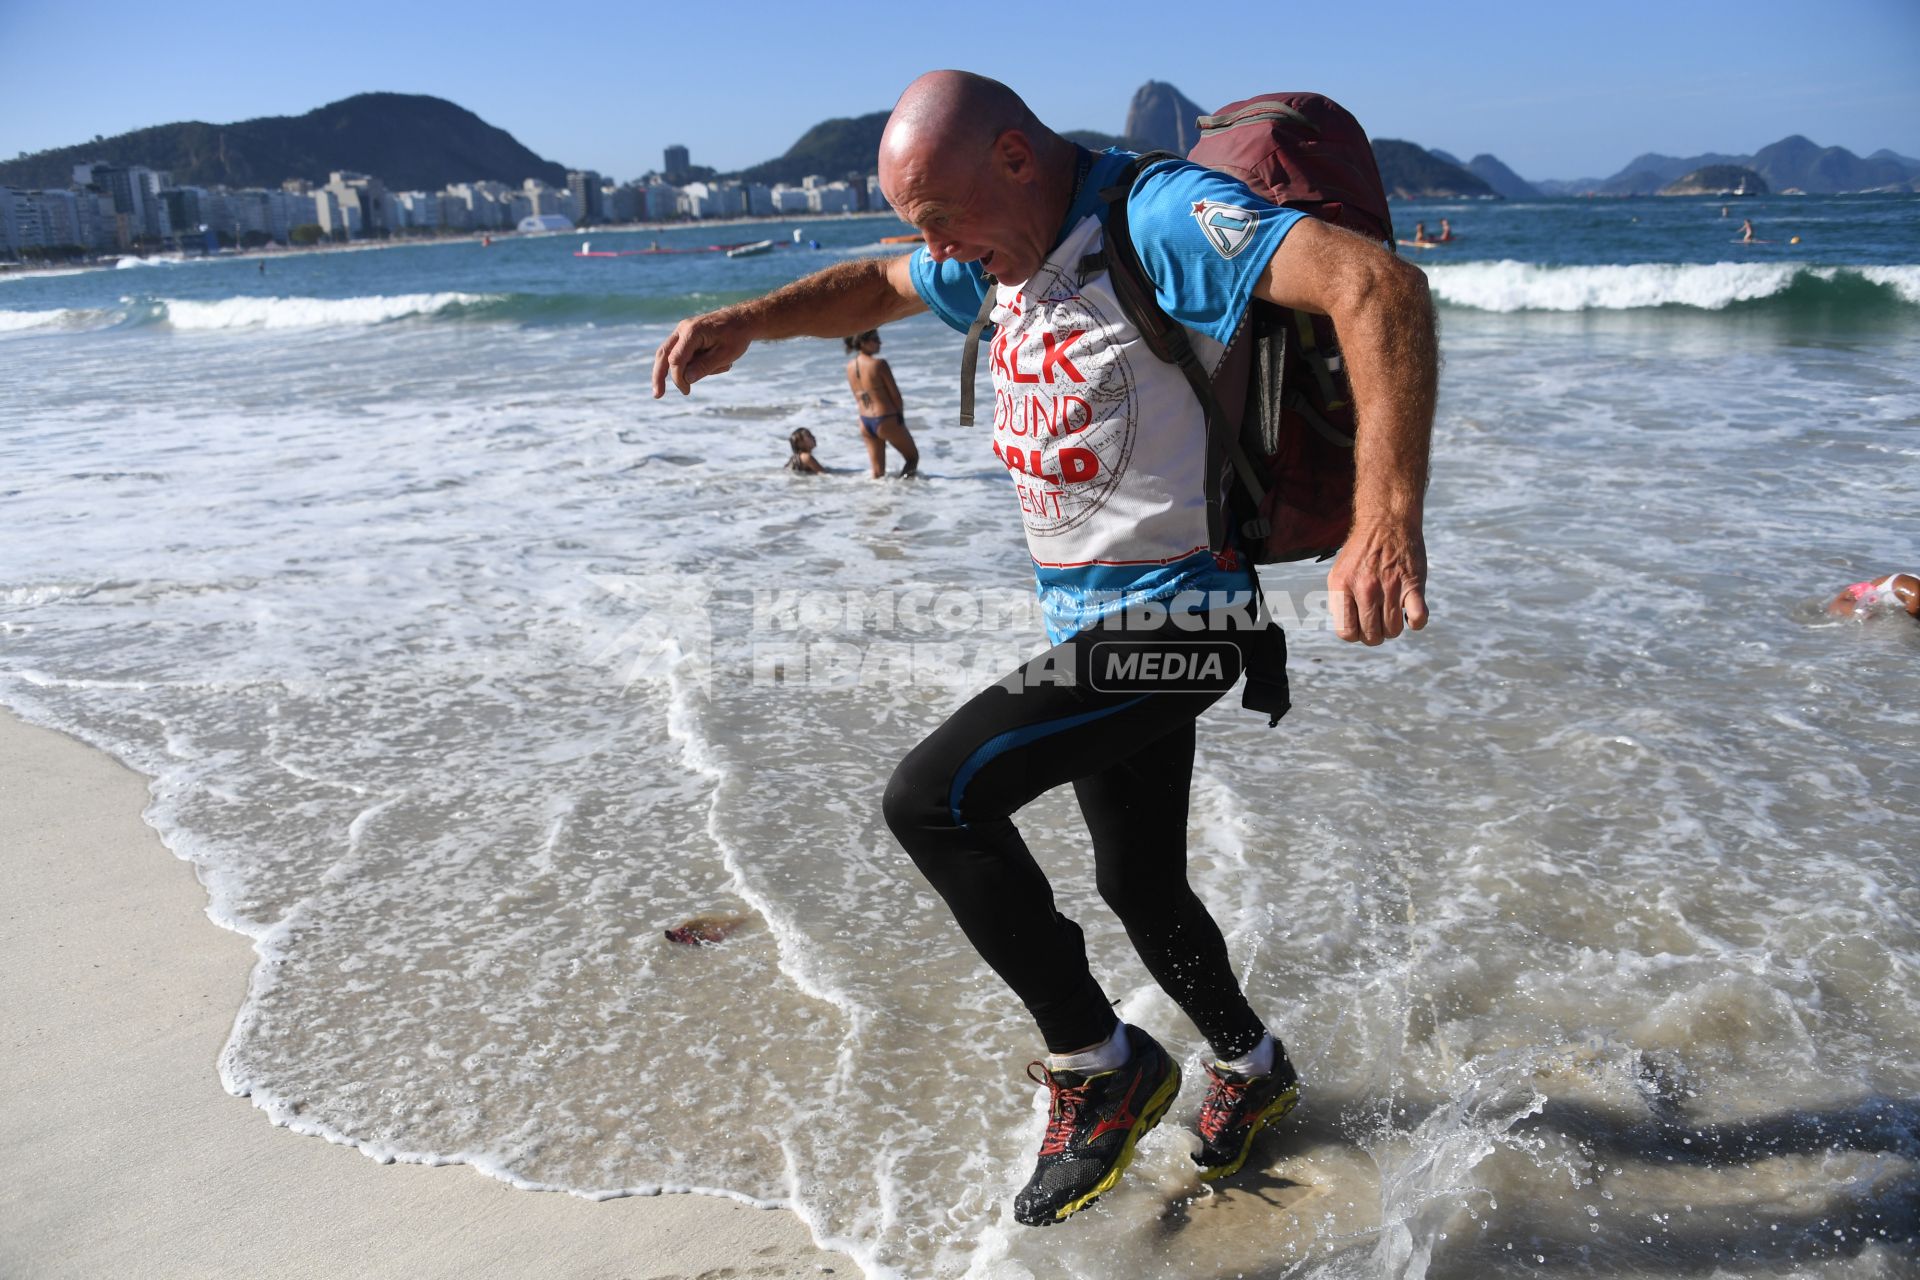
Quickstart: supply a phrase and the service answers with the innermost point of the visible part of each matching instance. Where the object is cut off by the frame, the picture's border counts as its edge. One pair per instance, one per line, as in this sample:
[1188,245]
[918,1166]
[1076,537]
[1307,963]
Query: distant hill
[1410,172]
[410,141]
[1793,163]
[1645,175]
[1798,162]
[1163,118]
[1912,165]
[1717,180]
[1489,170]
[833,149]
[1566,186]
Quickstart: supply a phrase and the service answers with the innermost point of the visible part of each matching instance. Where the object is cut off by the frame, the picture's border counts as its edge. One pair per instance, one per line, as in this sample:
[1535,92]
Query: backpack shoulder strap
[970,354]
[1167,339]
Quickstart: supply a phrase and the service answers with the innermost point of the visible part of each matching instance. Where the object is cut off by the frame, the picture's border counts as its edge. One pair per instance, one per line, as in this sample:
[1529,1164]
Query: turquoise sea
[463,669]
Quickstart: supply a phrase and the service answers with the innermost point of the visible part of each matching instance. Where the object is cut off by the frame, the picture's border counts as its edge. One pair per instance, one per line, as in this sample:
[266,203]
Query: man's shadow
[1655,1238]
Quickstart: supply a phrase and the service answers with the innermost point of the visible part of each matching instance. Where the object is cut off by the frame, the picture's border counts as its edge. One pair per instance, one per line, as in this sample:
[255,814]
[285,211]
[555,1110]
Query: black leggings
[1122,731]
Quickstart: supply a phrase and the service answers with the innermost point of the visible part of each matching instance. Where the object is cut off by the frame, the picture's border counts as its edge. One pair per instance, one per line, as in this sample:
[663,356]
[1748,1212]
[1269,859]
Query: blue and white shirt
[1106,443]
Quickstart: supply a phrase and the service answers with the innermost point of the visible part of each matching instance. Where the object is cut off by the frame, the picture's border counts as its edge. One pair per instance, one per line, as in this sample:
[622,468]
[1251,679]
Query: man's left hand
[1378,583]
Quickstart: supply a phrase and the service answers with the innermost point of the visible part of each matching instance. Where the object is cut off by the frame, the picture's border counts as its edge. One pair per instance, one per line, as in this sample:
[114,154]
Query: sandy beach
[122,1154]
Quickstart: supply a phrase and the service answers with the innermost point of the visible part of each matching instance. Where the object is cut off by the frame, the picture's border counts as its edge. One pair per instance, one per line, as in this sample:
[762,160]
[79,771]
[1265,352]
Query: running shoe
[1093,1125]
[1236,1108]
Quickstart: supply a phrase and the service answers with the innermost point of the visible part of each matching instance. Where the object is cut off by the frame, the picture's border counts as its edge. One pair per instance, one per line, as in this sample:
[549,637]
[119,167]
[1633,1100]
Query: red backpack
[1282,382]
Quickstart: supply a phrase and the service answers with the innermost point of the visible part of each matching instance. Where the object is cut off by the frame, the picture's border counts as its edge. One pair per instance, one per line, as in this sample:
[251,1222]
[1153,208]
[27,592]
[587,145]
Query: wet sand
[120,1152]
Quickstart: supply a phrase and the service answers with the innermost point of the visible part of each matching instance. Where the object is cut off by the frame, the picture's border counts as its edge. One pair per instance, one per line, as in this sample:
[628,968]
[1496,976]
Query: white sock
[1109,1055]
[1257,1062]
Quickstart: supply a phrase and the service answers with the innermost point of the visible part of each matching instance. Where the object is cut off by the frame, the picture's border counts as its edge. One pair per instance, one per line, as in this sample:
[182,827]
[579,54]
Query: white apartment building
[622,203]
[419,211]
[713,200]
[335,216]
[63,220]
[662,202]
[481,206]
[833,197]
[542,199]
[20,221]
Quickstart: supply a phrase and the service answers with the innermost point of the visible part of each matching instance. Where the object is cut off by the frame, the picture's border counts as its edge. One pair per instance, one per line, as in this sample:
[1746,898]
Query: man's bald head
[954,113]
[964,160]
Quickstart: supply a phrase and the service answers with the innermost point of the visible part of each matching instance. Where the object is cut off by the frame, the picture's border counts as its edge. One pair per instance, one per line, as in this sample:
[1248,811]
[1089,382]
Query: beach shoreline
[283,253]
[123,1153]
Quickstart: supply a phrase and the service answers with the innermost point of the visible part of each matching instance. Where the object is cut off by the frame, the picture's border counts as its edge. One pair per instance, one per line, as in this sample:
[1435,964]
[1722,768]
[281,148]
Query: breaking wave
[1526,286]
[309,313]
[1786,289]
[527,309]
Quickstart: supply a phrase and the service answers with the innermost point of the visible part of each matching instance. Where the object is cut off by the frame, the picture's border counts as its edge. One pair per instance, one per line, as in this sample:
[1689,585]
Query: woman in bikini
[878,398]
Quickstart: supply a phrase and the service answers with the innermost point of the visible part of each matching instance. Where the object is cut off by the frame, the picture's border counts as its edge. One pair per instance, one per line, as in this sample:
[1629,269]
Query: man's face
[983,212]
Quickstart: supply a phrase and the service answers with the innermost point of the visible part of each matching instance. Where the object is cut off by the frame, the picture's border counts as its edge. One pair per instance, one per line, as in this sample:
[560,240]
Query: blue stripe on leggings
[1019,737]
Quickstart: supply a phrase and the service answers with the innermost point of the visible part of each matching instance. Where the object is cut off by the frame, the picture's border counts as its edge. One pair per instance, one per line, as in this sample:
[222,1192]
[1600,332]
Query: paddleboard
[647,253]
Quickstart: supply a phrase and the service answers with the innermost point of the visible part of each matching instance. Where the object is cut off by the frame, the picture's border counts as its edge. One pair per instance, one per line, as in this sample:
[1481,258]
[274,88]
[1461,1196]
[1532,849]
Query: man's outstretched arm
[1381,308]
[845,298]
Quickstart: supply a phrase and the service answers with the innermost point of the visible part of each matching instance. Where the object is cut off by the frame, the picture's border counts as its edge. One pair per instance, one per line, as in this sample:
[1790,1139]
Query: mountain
[1410,172]
[1161,117]
[410,141]
[1717,180]
[1798,162]
[1489,170]
[1448,156]
[833,149]
[1793,163]
[1912,165]
[1566,186]
[1645,175]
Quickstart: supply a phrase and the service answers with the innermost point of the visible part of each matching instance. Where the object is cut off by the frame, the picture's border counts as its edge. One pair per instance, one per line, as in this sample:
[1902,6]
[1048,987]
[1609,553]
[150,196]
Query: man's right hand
[697,348]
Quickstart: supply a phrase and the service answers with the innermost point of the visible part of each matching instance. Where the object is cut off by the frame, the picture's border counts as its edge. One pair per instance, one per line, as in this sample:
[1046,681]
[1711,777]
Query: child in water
[877,396]
[1899,591]
[802,443]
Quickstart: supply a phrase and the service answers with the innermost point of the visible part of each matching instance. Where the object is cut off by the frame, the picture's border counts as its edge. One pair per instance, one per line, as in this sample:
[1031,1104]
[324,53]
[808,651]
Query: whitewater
[462,669]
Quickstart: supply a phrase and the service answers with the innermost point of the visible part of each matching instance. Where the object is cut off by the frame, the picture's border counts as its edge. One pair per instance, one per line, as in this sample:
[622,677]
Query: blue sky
[1557,91]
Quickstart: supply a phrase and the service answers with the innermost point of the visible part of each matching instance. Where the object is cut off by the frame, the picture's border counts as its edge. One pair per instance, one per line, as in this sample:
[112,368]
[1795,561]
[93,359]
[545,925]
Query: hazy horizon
[1553,95]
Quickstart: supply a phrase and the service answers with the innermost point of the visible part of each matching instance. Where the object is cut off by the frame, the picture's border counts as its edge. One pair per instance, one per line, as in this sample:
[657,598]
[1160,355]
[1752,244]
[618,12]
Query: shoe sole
[1276,1110]
[1150,1115]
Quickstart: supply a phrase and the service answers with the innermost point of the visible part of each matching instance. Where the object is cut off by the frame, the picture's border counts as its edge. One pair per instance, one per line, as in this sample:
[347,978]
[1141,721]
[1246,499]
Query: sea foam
[309,313]
[1526,286]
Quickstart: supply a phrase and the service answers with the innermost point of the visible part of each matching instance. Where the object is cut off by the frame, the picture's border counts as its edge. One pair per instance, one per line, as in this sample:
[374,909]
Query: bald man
[1151,622]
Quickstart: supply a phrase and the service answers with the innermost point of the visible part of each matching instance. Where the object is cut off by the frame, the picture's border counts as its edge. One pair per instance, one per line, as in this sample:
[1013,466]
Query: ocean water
[463,669]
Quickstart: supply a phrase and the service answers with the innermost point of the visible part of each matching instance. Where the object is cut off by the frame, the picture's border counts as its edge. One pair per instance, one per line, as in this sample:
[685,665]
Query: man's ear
[1015,156]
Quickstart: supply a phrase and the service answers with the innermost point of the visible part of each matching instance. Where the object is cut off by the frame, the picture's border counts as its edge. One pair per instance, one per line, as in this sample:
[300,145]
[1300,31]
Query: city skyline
[1554,95]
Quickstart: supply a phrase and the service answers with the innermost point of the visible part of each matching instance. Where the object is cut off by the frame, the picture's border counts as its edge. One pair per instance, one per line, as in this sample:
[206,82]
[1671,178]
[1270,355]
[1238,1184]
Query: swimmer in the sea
[1895,591]
[802,443]
[882,421]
